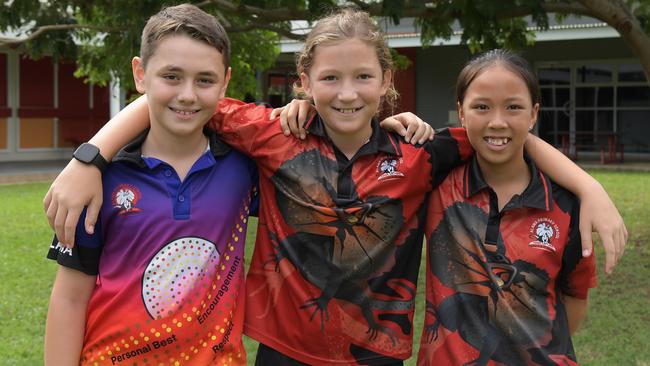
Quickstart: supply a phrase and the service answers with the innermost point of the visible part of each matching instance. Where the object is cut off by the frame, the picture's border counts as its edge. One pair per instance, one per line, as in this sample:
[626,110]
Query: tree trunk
[620,17]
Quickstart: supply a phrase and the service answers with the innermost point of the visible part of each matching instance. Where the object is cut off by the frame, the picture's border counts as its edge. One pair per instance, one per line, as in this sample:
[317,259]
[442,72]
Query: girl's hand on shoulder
[78,185]
[293,117]
[599,214]
[410,126]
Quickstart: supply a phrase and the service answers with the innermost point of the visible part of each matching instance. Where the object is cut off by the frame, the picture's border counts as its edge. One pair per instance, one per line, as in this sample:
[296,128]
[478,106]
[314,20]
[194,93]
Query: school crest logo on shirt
[125,198]
[544,231]
[389,168]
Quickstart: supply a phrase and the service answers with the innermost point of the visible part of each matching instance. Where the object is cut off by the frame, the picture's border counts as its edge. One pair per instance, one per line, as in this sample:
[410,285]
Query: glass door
[578,104]
[556,120]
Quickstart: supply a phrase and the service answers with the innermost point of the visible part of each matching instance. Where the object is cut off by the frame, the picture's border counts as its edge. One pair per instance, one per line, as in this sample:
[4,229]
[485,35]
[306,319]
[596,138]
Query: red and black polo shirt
[334,271]
[494,278]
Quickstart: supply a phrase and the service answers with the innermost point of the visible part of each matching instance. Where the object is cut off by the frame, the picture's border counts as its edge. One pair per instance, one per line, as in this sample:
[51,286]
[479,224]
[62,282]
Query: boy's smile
[185,114]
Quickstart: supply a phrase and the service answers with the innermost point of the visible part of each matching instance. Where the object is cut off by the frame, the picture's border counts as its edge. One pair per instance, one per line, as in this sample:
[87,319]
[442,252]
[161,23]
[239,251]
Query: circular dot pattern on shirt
[174,271]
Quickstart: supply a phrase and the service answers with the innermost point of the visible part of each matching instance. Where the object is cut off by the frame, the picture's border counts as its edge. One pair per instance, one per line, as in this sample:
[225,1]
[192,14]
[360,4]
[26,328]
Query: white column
[116,95]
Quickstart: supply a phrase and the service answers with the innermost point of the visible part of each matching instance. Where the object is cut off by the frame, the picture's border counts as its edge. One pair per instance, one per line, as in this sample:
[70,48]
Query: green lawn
[616,332]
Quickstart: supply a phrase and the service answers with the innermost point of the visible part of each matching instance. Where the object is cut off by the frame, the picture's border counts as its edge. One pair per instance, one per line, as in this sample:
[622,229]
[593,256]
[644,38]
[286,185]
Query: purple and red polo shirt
[169,260]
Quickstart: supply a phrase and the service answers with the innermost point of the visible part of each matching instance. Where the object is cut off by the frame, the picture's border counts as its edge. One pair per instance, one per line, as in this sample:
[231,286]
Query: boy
[151,285]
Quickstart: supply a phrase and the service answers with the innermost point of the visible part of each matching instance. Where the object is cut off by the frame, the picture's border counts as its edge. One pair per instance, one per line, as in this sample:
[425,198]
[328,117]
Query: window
[586,104]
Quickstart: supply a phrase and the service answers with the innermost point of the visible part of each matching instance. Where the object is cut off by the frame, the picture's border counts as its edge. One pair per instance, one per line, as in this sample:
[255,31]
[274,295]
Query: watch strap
[89,154]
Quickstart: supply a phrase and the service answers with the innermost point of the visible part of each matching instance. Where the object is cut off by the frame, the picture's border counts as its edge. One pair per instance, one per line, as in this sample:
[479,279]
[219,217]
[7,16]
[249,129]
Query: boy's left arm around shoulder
[597,211]
[244,126]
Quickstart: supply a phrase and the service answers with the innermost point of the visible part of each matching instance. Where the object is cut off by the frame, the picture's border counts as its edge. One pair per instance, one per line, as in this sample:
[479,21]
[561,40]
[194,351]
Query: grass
[616,331]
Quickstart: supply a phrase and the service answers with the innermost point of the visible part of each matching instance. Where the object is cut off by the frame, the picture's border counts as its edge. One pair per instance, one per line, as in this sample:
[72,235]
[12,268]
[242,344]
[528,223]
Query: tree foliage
[104,35]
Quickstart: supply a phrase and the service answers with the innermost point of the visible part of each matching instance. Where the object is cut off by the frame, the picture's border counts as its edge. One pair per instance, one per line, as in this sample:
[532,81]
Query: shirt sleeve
[255,201]
[450,148]
[578,274]
[84,256]
[246,126]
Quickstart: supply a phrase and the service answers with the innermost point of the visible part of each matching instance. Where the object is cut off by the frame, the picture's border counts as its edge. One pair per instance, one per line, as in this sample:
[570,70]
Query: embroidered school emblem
[389,168]
[544,231]
[125,198]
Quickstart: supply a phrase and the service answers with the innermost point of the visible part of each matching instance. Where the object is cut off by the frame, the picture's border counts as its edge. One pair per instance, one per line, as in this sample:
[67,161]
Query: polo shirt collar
[132,152]
[538,194]
[380,140]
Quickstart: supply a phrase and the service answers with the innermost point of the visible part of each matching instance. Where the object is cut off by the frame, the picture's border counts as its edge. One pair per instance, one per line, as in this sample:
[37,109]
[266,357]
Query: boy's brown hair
[184,19]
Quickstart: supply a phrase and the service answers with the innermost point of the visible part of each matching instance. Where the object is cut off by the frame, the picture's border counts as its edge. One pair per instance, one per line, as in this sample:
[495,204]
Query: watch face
[86,153]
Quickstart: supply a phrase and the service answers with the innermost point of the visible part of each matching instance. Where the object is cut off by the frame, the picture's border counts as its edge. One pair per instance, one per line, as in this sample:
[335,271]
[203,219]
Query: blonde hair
[347,23]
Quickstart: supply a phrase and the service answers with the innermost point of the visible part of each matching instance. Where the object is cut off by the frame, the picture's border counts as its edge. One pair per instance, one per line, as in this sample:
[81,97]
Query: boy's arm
[80,185]
[576,311]
[66,317]
[597,211]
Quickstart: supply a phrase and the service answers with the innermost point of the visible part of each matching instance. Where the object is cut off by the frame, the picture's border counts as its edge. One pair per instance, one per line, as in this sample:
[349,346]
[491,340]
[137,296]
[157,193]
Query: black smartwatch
[89,154]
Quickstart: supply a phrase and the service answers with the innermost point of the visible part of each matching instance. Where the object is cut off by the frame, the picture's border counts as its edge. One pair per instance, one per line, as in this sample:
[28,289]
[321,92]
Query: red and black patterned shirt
[334,271]
[494,278]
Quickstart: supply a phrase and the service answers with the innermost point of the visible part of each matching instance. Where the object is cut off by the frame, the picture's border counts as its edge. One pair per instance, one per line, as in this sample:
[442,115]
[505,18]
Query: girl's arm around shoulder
[66,317]
[598,212]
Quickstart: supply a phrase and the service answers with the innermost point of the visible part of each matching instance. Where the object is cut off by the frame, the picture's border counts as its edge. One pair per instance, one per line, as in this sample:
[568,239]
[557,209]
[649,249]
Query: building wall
[622,119]
[405,81]
[437,68]
[588,49]
[4,109]
[44,110]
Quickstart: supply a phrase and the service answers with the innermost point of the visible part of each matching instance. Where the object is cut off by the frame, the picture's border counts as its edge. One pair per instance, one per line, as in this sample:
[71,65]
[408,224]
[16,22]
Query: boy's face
[346,83]
[497,113]
[184,80]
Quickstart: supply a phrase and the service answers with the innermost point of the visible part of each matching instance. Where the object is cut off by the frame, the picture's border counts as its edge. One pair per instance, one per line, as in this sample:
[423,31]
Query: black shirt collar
[380,140]
[537,195]
[132,152]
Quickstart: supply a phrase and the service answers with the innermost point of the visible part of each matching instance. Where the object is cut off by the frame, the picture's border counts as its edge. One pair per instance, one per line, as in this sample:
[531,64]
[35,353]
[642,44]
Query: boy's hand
[293,116]
[598,213]
[78,185]
[410,126]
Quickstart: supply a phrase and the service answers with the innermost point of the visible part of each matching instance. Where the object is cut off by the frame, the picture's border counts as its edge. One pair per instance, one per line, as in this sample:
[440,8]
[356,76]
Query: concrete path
[30,171]
[43,171]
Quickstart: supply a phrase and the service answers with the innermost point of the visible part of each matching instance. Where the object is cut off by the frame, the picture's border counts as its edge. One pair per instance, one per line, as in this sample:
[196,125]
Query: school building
[44,110]
[596,100]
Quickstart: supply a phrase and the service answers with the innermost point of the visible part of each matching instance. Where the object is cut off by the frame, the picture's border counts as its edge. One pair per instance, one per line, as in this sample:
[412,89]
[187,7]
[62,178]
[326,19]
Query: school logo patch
[389,168]
[125,198]
[544,231]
